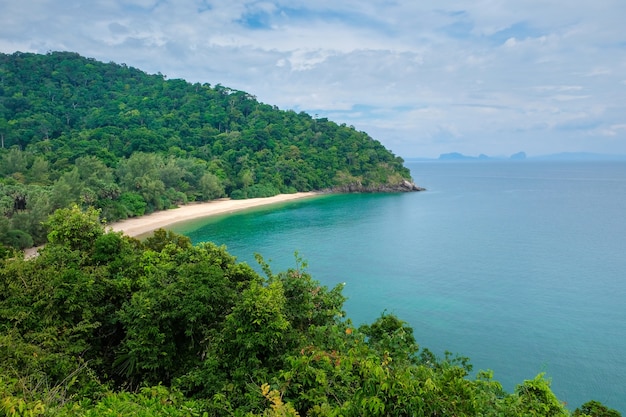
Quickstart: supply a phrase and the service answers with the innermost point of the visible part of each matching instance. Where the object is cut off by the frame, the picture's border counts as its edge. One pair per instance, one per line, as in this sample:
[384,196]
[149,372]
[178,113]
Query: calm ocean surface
[521,266]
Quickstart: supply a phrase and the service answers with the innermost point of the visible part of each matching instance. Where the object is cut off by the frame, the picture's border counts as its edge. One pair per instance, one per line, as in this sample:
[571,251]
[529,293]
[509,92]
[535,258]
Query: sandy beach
[138,226]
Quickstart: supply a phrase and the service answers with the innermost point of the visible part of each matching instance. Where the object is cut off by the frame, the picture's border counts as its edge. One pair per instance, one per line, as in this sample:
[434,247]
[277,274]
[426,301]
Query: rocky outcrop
[410,186]
[402,187]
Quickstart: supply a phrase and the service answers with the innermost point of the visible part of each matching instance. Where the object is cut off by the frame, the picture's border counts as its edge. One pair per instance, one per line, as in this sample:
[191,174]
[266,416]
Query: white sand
[138,226]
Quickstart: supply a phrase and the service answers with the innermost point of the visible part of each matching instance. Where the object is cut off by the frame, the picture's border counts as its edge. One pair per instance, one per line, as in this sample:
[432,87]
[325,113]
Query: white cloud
[613,130]
[474,76]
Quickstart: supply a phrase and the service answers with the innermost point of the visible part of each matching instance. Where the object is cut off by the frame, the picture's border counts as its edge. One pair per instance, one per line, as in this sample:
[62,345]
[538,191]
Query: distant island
[456,156]
[522,156]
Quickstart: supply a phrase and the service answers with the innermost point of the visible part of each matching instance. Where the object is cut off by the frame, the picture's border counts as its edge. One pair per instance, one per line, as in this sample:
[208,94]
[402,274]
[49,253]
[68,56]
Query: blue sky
[423,77]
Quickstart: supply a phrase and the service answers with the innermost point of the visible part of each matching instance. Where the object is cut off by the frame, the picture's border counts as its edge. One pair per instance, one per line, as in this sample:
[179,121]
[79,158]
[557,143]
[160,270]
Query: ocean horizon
[517,265]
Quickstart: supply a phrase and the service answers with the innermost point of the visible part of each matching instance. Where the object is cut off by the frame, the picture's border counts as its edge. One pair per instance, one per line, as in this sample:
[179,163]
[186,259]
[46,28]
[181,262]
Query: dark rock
[403,187]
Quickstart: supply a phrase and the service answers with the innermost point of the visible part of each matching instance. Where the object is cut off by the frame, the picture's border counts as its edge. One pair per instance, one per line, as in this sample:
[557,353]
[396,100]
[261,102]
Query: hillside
[77,131]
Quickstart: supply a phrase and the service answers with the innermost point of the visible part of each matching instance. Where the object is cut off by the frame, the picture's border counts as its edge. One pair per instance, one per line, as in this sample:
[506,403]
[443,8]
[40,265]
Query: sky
[422,77]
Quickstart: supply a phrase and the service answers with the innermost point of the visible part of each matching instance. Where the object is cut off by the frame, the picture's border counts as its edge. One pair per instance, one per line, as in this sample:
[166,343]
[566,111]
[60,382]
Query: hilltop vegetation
[77,131]
[100,324]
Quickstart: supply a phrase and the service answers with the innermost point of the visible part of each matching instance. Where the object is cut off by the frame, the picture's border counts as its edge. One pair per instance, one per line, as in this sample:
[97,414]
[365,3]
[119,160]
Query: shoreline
[137,226]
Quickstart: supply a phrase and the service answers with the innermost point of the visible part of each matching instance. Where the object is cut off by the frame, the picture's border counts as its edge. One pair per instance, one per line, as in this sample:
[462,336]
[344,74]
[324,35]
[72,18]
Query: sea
[518,265]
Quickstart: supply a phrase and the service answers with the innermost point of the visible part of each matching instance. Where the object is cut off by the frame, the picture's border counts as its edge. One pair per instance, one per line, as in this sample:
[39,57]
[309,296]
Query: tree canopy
[110,325]
[77,131]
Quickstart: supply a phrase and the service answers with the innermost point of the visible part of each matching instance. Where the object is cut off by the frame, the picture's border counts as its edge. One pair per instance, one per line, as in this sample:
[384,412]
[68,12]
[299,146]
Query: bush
[134,204]
[256,191]
[595,409]
[262,190]
[18,239]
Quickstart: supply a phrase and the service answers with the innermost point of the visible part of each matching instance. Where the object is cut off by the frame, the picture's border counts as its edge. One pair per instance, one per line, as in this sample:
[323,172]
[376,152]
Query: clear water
[520,266]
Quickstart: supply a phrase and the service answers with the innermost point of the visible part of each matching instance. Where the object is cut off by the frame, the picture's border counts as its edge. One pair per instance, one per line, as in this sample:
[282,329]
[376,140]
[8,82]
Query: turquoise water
[518,265]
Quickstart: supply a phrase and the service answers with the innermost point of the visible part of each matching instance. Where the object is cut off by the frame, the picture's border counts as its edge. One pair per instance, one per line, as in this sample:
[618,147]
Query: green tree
[535,398]
[75,228]
[15,161]
[595,409]
[67,190]
[211,187]
[255,330]
[180,305]
[39,171]
[391,336]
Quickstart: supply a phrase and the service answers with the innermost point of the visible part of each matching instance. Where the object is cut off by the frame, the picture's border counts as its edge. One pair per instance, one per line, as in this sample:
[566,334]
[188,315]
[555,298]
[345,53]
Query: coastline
[137,226]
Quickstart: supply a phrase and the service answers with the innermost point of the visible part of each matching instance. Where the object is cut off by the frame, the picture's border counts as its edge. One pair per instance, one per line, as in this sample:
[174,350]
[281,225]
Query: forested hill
[75,130]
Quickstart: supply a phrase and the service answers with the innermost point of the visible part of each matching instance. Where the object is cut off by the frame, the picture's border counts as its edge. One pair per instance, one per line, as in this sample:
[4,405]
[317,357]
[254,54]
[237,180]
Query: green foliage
[181,301]
[75,228]
[149,401]
[11,406]
[18,239]
[255,191]
[6,251]
[211,187]
[80,132]
[595,409]
[534,398]
[113,326]
[254,331]
[133,205]
[161,238]
[391,336]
